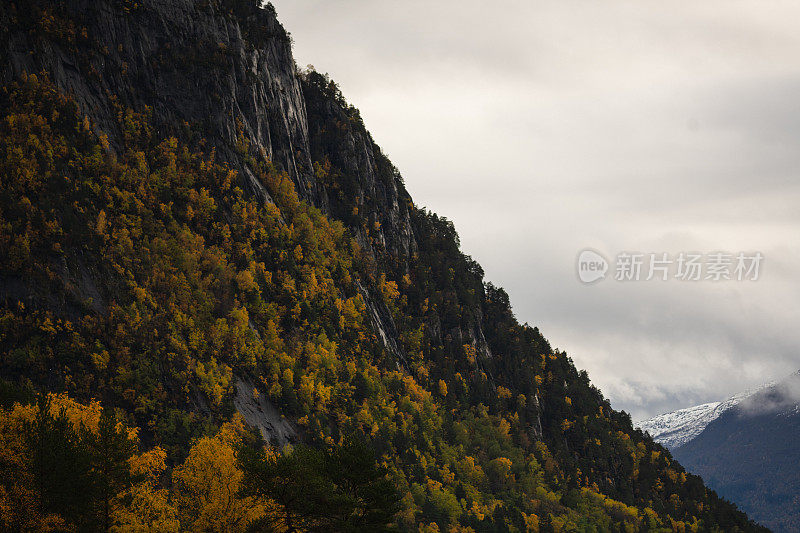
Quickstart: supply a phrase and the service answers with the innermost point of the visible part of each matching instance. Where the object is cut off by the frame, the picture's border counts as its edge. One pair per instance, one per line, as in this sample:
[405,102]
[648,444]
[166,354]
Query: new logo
[591,266]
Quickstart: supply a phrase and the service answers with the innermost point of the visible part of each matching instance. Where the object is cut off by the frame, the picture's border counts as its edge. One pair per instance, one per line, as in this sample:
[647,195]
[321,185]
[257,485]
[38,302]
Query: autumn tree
[207,485]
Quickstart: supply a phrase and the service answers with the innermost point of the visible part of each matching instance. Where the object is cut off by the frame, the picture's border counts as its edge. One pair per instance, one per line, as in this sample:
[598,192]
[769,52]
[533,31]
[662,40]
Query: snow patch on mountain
[679,427]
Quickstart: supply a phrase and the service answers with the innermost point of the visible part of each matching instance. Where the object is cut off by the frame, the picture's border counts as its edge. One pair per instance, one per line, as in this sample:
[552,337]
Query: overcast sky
[543,128]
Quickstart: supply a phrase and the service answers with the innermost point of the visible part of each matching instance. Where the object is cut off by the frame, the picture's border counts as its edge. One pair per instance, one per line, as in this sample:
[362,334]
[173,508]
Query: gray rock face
[188,61]
[227,79]
[261,414]
[363,187]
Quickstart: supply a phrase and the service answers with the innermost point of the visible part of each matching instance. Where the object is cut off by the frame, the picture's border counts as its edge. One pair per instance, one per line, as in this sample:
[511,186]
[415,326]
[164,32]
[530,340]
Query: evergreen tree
[339,489]
[110,449]
[296,481]
[60,463]
[369,496]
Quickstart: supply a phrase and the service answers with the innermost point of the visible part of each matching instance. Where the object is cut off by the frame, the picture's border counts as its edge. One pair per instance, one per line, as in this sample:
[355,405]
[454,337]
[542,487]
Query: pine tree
[338,489]
[369,496]
[60,463]
[110,448]
[297,482]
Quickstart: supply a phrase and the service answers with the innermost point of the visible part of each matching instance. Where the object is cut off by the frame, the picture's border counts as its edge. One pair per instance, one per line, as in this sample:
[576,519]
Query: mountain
[679,427]
[745,448]
[220,309]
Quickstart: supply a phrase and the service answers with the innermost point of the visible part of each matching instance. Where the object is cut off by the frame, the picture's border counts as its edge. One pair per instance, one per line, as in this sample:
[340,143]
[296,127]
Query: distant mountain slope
[679,427]
[744,448]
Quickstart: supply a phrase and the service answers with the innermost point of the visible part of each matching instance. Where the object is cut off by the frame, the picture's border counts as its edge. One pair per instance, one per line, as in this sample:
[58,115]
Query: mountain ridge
[676,428]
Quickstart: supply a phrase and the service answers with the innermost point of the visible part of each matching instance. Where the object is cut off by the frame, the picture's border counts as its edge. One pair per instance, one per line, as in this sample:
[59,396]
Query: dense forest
[149,267]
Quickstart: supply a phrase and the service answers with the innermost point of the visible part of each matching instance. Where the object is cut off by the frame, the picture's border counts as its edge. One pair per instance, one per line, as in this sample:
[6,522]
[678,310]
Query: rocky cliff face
[231,79]
[362,186]
[221,72]
[190,62]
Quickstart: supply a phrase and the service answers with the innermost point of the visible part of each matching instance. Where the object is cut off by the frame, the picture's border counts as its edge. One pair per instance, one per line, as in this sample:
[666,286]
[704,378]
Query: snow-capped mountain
[745,448]
[749,454]
[679,427]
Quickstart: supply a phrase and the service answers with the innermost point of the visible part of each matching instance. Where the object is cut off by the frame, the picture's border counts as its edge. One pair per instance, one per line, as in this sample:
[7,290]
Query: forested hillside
[194,236]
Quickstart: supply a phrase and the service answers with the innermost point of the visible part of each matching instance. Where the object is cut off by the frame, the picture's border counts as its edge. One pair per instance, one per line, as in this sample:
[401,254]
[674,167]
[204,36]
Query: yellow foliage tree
[150,508]
[207,485]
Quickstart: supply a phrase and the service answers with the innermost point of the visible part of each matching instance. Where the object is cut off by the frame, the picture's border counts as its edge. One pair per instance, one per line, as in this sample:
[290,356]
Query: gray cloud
[783,397]
[542,128]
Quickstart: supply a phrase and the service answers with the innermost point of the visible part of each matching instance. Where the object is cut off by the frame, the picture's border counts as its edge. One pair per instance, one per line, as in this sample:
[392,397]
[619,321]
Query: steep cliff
[224,72]
[221,73]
